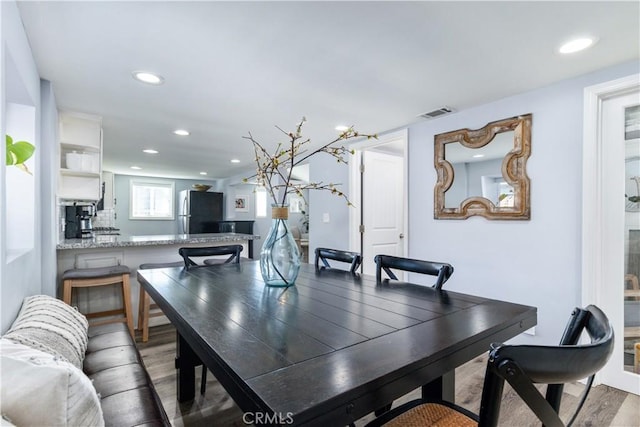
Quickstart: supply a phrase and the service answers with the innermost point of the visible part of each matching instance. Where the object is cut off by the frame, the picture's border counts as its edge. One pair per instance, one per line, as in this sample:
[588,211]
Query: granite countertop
[117,241]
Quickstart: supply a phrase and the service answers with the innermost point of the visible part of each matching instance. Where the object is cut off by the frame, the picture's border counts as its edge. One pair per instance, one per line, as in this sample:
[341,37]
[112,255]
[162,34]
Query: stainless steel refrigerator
[200,211]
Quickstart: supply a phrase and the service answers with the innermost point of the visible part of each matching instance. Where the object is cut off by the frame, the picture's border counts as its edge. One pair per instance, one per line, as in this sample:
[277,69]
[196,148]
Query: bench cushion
[114,365]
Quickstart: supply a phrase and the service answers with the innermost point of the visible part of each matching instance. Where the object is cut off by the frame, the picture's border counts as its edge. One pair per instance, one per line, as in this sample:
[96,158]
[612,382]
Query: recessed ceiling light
[342,128]
[235,161]
[576,45]
[477,156]
[181,132]
[147,77]
[150,151]
[203,173]
[136,167]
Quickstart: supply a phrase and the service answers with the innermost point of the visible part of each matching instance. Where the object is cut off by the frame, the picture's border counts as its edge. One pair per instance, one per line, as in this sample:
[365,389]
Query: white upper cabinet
[82,130]
[80,156]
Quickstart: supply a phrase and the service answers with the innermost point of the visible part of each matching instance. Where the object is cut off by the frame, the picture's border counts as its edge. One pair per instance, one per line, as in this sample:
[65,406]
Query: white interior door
[383,201]
[380,194]
[608,220]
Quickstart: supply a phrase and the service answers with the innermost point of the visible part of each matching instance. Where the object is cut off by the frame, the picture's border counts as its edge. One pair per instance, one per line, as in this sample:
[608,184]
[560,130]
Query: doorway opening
[379,187]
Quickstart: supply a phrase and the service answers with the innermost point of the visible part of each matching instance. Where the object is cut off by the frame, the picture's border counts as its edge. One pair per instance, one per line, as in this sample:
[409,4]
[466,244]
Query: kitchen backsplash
[104,218]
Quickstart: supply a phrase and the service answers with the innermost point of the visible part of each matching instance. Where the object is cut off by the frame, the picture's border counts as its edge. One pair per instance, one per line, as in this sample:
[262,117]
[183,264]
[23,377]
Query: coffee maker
[78,222]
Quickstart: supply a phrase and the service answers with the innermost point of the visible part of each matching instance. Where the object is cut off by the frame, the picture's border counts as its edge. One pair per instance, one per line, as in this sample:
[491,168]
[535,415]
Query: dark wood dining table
[328,350]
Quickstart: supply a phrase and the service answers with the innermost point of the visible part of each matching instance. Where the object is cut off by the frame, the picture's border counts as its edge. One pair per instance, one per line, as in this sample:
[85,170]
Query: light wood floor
[606,406]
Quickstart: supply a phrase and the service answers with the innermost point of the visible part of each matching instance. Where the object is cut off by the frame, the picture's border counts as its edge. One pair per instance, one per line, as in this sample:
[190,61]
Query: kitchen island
[112,249]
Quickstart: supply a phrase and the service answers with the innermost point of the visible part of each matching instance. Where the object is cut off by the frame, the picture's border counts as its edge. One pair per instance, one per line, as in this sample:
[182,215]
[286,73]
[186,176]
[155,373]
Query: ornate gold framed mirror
[483,172]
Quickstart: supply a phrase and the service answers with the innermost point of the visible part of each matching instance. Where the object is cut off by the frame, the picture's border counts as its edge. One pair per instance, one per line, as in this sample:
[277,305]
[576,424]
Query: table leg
[443,388]
[186,362]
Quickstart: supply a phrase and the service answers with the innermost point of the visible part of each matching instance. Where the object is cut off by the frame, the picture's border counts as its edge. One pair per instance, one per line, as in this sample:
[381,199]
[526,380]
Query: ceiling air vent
[436,113]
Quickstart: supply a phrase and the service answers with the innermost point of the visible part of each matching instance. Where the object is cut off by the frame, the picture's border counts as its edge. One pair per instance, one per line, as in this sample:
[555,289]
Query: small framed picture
[242,203]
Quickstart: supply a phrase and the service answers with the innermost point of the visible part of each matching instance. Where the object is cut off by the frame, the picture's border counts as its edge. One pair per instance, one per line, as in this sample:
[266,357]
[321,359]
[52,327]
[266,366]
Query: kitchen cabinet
[80,156]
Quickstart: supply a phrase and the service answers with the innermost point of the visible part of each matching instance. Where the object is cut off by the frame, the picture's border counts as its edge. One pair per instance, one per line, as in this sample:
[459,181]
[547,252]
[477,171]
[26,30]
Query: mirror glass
[478,172]
[482,172]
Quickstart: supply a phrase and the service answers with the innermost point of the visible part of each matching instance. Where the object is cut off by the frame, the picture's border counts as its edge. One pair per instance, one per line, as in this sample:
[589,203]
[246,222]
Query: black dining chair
[522,366]
[325,254]
[439,269]
[188,255]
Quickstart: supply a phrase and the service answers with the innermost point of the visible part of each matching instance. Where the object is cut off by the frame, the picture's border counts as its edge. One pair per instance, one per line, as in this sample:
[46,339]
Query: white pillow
[39,389]
[50,325]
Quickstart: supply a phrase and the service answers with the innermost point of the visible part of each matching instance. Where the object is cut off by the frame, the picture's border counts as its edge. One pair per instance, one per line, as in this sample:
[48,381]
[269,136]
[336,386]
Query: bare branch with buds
[280,164]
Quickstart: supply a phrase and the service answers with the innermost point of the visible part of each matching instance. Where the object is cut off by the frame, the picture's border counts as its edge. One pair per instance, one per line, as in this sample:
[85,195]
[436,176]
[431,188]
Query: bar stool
[145,304]
[101,276]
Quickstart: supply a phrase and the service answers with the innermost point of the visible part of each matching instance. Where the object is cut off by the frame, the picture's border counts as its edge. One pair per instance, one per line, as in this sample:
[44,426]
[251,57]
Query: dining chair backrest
[522,366]
[188,255]
[325,254]
[441,270]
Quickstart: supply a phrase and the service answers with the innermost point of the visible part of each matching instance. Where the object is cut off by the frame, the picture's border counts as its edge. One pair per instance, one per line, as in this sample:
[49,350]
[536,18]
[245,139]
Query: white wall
[535,262]
[20,275]
[49,154]
[335,233]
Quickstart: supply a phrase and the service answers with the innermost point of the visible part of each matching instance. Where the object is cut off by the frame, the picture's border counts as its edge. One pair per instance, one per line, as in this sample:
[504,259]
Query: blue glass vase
[280,257]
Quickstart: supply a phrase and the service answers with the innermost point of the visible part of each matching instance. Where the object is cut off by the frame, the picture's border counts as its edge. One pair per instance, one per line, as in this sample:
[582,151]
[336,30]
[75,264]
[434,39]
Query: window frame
[152,183]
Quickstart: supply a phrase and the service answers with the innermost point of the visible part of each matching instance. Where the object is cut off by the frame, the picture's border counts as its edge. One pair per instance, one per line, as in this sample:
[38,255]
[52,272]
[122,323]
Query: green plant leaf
[23,151]
[18,152]
[10,157]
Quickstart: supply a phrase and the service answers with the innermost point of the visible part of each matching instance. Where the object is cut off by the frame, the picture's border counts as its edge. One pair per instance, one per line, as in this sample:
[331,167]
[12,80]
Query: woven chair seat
[431,414]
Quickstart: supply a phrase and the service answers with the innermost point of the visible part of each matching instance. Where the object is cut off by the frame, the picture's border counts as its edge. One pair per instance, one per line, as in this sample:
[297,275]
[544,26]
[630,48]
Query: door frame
[595,245]
[355,184]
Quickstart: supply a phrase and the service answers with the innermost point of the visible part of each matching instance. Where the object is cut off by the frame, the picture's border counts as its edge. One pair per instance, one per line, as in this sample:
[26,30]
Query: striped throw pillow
[48,324]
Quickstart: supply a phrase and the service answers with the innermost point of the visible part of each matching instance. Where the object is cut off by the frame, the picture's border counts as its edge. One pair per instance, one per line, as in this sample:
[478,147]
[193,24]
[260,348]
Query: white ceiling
[235,67]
